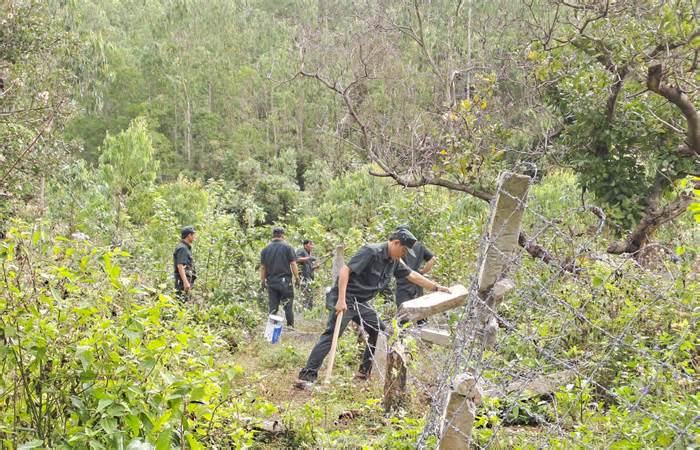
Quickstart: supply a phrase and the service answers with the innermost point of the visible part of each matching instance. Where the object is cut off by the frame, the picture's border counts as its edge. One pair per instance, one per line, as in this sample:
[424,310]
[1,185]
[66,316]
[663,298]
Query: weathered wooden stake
[395,382]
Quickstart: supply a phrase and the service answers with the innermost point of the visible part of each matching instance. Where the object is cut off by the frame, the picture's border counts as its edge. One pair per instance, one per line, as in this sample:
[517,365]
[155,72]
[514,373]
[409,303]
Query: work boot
[303,385]
[361,376]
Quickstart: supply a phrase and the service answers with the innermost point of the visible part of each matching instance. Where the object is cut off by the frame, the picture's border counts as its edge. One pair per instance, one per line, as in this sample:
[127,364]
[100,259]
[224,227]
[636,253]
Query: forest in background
[122,121]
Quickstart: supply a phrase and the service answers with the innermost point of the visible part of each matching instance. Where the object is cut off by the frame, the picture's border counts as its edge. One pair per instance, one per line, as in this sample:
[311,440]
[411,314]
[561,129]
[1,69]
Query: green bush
[92,358]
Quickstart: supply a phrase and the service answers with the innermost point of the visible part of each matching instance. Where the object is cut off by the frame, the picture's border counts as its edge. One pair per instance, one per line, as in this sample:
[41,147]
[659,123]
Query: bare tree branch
[674,95]
[30,147]
[646,227]
[451,185]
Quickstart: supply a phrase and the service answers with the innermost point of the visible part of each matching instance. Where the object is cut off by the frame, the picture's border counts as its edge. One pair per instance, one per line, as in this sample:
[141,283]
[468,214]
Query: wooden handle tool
[334,344]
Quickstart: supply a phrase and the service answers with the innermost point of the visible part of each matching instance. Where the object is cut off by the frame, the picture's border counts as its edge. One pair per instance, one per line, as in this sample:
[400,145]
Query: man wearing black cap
[278,262]
[183,263]
[422,261]
[367,272]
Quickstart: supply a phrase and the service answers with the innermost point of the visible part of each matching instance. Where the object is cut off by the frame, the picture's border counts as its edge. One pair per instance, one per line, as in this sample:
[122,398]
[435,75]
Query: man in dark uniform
[183,263]
[277,265]
[367,272]
[308,265]
[408,291]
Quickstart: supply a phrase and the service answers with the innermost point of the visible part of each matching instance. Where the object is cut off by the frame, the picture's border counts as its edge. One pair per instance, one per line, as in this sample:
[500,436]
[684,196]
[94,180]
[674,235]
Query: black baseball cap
[406,238]
[186,231]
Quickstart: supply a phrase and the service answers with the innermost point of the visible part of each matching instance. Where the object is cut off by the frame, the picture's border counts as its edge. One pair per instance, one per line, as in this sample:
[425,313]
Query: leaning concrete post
[338,261]
[379,359]
[337,264]
[501,243]
[460,412]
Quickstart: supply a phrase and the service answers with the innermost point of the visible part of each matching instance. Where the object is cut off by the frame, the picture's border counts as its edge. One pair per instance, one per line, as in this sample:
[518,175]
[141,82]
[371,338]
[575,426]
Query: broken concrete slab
[433,303]
[437,337]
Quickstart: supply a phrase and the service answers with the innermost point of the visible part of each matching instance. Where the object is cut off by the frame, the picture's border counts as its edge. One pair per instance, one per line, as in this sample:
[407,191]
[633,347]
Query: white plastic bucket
[273,328]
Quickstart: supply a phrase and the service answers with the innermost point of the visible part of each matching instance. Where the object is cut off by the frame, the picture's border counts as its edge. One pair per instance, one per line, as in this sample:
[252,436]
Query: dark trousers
[307,293]
[180,293]
[281,294]
[405,293]
[360,313]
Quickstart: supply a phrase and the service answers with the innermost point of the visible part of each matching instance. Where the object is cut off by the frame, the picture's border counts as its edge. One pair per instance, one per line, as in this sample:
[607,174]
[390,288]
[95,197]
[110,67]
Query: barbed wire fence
[544,350]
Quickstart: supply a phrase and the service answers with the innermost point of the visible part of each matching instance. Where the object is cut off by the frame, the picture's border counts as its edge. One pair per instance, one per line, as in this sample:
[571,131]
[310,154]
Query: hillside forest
[123,121]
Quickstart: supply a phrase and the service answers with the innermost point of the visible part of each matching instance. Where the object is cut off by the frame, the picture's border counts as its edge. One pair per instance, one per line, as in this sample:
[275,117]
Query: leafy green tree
[35,84]
[76,200]
[623,78]
[127,167]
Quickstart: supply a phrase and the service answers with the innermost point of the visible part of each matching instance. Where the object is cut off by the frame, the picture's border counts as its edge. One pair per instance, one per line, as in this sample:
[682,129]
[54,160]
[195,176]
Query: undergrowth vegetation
[95,352]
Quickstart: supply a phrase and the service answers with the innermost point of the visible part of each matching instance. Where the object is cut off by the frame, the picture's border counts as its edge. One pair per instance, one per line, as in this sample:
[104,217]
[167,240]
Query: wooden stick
[336,332]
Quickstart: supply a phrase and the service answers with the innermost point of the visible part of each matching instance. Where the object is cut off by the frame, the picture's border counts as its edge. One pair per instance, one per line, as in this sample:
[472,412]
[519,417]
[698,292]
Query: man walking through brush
[183,264]
[367,272]
[278,263]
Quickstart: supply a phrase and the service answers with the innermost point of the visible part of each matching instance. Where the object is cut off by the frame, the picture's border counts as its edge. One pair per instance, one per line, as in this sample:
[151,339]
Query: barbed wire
[469,358]
[539,298]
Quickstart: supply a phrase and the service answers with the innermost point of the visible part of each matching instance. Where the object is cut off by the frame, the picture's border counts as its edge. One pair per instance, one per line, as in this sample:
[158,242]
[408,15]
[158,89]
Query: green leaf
[162,420]
[134,424]
[164,439]
[109,425]
[105,402]
[193,442]
[157,344]
[197,394]
[597,281]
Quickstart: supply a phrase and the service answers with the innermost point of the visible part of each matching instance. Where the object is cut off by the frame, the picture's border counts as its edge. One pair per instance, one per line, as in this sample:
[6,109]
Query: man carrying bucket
[278,263]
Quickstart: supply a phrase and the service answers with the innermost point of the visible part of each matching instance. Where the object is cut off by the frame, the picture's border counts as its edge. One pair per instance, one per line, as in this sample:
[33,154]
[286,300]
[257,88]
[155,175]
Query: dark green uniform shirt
[276,258]
[307,269]
[406,290]
[371,270]
[183,255]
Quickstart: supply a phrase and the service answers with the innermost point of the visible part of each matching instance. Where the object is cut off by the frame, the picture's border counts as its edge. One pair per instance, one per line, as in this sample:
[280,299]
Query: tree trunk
[646,227]
[188,135]
[273,121]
